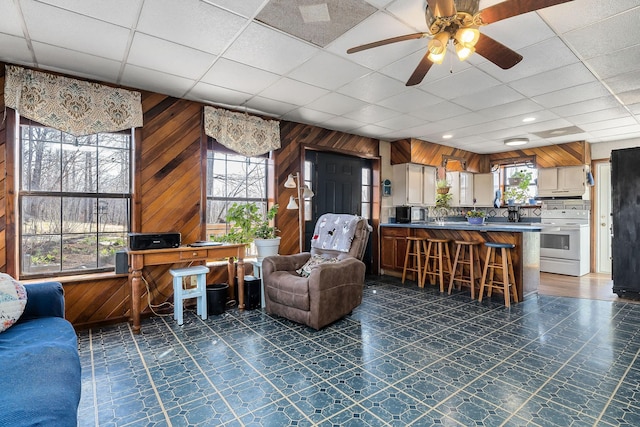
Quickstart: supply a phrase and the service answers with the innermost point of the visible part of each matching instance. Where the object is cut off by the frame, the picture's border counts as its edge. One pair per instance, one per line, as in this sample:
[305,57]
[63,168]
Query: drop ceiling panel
[519,31]
[269,106]
[191,23]
[240,77]
[328,71]
[223,96]
[81,64]
[307,115]
[119,12]
[15,49]
[185,62]
[497,95]
[586,106]
[335,103]
[10,19]
[572,95]
[371,114]
[440,111]
[372,88]
[511,109]
[550,81]
[410,12]
[156,81]
[581,13]
[268,49]
[465,82]
[246,8]
[410,101]
[615,63]
[400,122]
[78,32]
[293,92]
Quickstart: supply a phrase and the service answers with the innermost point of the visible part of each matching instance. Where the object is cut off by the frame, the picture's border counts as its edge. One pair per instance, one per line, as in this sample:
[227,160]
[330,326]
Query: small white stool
[180,294]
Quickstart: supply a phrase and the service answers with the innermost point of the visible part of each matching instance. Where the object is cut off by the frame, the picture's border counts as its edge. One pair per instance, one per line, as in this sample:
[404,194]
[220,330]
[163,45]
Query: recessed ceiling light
[447,136]
[528,119]
[516,141]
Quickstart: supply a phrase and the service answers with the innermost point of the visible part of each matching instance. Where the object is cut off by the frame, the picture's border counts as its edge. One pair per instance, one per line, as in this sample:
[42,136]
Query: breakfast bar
[525,237]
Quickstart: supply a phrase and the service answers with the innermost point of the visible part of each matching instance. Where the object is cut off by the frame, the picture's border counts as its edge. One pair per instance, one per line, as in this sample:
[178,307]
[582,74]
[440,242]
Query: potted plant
[250,226]
[475,217]
[519,192]
[442,186]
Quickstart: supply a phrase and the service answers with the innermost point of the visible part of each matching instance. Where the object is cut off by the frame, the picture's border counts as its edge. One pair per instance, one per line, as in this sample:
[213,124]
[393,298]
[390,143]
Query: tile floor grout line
[215,388]
[153,384]
[253,368]
[615,390]
[94,386]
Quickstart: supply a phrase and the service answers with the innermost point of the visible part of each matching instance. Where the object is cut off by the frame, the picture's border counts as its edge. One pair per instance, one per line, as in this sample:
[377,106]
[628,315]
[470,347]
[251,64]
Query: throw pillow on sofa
[13,299]
[313,262]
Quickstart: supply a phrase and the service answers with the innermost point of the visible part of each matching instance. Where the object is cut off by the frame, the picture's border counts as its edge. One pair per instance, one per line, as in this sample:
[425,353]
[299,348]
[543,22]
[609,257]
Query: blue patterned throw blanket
[335,232]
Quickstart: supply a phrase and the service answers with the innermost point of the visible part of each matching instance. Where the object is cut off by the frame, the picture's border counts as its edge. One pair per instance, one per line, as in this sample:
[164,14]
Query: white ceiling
[581,66]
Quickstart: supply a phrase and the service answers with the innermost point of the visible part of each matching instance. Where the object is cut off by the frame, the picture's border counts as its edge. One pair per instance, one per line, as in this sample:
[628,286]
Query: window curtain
[247,135]
[72,106]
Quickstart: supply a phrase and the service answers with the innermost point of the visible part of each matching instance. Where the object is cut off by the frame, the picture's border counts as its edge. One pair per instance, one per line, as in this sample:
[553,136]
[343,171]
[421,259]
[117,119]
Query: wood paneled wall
[569,154]
[428,153]
[290,159]
[431,154]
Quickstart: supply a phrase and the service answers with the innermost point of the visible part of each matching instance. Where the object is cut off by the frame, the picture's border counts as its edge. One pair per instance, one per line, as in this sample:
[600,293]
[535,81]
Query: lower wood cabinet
[393,247]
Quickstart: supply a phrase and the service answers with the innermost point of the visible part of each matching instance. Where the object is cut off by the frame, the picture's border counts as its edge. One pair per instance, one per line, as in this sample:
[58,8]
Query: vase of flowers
[475,217]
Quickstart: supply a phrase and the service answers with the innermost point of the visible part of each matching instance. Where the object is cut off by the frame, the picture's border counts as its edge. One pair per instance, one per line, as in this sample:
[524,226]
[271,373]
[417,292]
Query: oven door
[557,241]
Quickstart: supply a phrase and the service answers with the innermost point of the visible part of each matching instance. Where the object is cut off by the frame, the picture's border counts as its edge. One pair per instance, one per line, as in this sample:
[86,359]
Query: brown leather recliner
[332,289]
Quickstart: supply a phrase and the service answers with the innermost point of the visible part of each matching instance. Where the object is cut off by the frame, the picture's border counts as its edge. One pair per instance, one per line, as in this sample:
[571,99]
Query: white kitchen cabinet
[461,188]
[414,185]
[484,189]
[567,181]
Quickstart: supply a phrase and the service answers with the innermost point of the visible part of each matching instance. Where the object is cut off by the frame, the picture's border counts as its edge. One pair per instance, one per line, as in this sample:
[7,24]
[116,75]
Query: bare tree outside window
[74,200]
[232,178]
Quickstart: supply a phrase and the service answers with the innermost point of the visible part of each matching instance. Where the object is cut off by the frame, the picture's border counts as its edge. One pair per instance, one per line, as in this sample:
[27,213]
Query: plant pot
[442,190]
[475,220]
[515,181]
[267,247]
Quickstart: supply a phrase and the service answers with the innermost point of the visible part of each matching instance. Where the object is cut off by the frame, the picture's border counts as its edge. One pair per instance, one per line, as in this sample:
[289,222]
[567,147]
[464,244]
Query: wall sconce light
[304,192]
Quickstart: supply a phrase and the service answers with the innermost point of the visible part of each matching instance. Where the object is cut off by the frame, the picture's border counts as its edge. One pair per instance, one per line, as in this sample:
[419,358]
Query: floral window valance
[248,135]
[69,105]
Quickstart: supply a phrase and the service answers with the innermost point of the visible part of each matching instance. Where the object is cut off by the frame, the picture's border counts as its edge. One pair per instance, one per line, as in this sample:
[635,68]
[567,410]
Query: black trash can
[252,292]
[217,298]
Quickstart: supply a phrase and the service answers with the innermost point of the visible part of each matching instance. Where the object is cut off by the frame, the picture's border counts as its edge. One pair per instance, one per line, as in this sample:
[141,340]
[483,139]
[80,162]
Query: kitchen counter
[524,235]
[515,227]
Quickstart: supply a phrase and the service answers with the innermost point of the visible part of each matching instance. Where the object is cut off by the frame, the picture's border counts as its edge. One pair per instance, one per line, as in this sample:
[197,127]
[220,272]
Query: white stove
[565,241]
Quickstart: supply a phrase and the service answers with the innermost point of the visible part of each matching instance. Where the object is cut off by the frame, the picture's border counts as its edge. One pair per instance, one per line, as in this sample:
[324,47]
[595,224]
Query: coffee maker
[514,213]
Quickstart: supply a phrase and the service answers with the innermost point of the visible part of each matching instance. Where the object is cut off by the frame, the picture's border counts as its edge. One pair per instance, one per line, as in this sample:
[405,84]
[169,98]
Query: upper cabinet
[414,185]
[568,181]
[461,188]
[484,189]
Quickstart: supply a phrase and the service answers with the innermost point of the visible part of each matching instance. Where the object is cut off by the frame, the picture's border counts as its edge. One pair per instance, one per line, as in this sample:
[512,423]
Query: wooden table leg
[136,286]
[240,283]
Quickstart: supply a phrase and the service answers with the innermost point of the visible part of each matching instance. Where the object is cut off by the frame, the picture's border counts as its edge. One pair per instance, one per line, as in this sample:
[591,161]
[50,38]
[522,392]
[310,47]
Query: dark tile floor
[406,356]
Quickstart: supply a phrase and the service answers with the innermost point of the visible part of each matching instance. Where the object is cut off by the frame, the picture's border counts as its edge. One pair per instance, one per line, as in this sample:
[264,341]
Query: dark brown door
[337,183]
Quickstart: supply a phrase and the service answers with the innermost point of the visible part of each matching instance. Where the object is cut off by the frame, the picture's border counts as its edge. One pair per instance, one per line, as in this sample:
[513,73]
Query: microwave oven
[409,214]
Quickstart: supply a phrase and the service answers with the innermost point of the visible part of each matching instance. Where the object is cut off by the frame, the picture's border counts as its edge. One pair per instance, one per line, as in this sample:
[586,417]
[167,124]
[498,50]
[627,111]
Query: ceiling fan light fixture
[467,36]
[464,50]
[516,141]
[436,58]
[438,44]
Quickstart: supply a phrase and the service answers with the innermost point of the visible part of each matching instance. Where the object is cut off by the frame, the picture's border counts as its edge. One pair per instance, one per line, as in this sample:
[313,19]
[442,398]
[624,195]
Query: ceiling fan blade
[497,53]
[442,7]
[510,8]
[421,70]
[387,41]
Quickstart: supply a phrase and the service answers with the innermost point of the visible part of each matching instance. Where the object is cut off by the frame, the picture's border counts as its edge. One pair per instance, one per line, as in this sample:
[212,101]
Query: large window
[74,200]
[232,178]
[519,189]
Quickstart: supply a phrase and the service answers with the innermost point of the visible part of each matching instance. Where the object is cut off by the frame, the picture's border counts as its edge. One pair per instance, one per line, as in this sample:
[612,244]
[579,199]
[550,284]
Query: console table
[182,254]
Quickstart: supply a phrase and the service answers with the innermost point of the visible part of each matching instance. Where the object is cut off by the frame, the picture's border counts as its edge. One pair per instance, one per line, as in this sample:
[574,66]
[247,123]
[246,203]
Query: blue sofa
[39,363]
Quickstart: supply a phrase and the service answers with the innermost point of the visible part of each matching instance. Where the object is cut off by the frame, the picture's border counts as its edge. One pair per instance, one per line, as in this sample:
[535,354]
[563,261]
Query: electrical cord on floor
[152,307]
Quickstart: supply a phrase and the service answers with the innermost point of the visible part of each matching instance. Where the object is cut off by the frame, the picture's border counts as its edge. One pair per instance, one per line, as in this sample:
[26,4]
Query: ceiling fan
[458,21]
